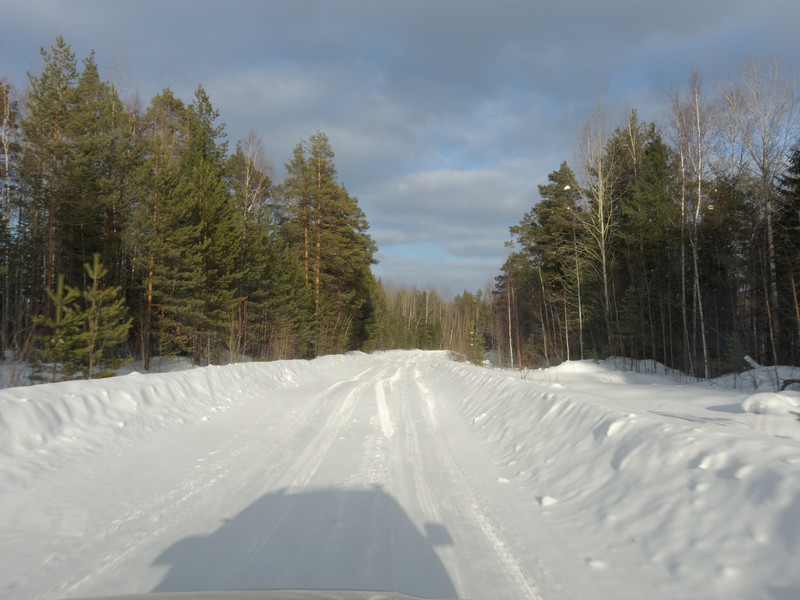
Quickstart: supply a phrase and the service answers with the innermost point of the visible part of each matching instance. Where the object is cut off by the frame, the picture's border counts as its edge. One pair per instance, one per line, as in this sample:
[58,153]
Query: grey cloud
[444,115]
[446,276]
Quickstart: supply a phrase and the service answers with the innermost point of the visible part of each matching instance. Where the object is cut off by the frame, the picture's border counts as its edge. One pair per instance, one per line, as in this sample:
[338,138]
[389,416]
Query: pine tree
[550,241]
[159,232]
[328,230]
[96,206]
[295,212]
[345,254]
[49,107]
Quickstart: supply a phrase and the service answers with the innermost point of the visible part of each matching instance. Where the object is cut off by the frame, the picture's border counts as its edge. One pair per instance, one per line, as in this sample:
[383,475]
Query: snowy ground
[400,471]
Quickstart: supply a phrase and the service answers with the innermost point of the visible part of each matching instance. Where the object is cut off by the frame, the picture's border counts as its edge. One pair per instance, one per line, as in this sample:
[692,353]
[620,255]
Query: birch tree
[692,118]
[251,186]
[762,103]
[598,175]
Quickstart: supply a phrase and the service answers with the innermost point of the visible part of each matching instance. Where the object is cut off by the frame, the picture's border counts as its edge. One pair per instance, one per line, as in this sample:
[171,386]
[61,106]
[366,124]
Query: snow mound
[767,403]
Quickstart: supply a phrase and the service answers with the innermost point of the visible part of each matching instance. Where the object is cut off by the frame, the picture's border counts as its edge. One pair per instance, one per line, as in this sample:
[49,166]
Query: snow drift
[639,487]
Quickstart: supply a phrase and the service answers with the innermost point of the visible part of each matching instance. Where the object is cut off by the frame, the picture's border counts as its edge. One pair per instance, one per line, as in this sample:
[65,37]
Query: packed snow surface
[400,471]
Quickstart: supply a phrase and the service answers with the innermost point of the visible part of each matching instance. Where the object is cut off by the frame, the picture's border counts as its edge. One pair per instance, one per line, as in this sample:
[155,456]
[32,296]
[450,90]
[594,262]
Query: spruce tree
[206,193]
[9,217]
[178,276]
[287,317]
[105,324]
[85,329]
[649,226]
[58,332]
[787,230]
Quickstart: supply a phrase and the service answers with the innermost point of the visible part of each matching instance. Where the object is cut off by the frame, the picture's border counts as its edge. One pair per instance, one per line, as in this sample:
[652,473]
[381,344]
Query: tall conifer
[50,104]
[166,235]
[207,195]
[329,231]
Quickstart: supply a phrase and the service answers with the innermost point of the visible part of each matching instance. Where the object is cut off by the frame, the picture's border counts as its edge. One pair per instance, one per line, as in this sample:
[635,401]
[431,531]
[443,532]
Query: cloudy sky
[444,115]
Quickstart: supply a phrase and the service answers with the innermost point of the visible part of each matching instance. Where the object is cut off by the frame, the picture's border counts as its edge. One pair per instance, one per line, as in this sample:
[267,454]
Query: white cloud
[444,116]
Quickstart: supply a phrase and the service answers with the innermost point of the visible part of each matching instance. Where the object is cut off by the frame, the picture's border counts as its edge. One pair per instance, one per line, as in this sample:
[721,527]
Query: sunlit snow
[403,471]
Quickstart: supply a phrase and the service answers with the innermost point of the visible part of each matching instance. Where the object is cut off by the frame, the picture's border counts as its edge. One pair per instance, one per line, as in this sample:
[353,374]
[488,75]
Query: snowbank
[101,411]
[703,503]
[767,403]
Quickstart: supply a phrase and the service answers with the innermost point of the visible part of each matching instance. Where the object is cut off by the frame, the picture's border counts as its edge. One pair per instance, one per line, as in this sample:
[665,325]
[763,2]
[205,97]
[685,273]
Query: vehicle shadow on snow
[323,539]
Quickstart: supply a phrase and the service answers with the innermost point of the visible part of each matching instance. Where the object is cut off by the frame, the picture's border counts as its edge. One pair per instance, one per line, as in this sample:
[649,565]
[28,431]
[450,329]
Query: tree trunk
[796,304]
[5,125]
[510,342]
[688,363]
[50,268]
[699,305]
[700,153]
[775,322]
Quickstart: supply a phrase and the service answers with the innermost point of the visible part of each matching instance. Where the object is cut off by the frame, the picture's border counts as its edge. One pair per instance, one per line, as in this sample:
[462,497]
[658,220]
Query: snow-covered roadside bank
[49,417]
[572,482]
[675,484]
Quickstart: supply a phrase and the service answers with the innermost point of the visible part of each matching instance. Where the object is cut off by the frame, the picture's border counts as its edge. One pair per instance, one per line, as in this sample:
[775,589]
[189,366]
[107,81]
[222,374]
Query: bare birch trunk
[700,148]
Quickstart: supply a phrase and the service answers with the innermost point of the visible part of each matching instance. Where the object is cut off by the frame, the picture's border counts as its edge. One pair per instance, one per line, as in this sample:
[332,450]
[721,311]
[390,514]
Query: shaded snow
[401,471]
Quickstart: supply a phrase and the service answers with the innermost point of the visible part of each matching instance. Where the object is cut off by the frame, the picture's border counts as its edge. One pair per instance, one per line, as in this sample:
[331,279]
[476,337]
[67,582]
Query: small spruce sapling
[59,340]
[105,325]
[85,329]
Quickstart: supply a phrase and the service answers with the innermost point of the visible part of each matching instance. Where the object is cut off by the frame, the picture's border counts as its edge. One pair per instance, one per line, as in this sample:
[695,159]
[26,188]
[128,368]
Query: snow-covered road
[355,478]
[400,471]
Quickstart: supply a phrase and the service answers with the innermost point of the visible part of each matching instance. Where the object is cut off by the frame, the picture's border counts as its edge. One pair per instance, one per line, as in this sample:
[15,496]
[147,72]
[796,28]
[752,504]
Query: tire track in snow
[309,461]
[502,550]
[373,467]
[422,492]
[417,464]
[387,427]
[212,470]
[427,396]
[306,465]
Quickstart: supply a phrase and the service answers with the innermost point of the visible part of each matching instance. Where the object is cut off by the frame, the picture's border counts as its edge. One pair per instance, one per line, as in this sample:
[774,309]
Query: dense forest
[677,244]
[132,232]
